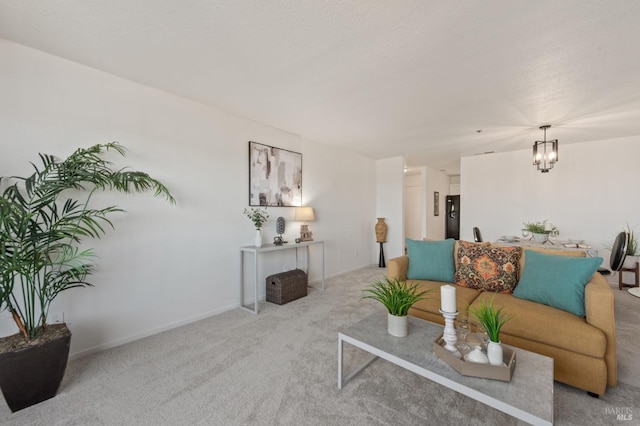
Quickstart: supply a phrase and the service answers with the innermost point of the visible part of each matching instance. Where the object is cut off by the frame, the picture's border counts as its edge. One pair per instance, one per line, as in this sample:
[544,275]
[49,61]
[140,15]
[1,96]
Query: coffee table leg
[340,343]
[341,381]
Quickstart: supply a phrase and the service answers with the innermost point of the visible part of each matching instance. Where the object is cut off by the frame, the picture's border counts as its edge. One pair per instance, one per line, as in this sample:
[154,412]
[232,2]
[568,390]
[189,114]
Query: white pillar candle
[448,298]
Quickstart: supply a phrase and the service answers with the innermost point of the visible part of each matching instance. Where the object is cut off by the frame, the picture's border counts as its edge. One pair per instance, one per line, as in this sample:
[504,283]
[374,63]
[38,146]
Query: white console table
[264,249]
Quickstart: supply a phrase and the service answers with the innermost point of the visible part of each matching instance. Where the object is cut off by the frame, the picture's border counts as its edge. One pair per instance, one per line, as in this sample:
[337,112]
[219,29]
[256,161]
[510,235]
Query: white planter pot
[258,238]
[494,352]
[630,262]
[397,326]
[540,238]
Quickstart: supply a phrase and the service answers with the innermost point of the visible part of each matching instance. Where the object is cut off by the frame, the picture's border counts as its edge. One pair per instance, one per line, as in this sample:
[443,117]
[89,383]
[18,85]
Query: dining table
[552,243]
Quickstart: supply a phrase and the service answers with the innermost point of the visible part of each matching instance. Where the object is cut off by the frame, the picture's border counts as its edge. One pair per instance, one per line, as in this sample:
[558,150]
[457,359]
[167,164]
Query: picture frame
[275,176]
[436,203]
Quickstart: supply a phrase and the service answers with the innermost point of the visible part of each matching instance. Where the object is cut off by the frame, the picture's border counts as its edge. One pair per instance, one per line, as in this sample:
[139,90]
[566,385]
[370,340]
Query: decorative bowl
[477,356]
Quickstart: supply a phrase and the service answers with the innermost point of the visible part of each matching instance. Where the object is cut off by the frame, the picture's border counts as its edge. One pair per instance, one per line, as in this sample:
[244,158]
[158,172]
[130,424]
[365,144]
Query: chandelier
[545,153]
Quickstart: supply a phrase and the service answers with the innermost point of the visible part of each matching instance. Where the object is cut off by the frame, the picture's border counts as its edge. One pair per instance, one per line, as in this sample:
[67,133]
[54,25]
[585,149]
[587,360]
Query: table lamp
[304,214]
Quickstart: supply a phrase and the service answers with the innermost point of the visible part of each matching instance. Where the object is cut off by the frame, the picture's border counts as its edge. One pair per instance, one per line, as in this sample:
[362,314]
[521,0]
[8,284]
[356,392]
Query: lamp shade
[304,214]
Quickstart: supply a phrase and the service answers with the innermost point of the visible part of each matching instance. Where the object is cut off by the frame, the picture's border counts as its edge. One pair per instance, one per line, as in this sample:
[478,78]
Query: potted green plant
[539,230]
[491,320]
[43,220]
[259,218]
[397,296]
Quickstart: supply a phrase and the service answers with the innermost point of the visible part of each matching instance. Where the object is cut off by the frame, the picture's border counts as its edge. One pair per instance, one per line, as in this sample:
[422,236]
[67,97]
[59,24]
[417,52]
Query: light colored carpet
[280,368]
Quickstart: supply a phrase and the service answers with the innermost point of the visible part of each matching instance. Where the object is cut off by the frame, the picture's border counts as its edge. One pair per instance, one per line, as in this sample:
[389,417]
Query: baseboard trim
[147,333]
[153,331]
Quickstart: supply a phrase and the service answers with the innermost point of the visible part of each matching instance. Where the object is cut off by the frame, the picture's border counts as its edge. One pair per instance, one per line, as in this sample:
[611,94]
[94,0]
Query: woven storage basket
[287,286]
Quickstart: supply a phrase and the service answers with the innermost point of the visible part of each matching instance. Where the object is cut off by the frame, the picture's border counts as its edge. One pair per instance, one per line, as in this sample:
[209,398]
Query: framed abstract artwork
[275,176]
[436,203]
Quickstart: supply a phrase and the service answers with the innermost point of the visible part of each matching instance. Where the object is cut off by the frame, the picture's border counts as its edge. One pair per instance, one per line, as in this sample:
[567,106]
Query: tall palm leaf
[43,219]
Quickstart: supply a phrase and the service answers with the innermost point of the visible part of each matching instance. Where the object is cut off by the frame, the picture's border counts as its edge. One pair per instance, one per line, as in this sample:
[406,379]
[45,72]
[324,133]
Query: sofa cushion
[487,268]
[556,281]
[430,260]
[546,325]
[429,308]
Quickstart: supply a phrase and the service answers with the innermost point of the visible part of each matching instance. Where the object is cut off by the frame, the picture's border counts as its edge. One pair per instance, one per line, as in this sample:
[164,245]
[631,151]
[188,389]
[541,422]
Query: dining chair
[477,236]
[618,254]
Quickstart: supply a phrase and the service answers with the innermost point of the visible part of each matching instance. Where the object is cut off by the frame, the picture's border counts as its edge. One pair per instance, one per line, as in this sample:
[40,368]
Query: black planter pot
[33,374]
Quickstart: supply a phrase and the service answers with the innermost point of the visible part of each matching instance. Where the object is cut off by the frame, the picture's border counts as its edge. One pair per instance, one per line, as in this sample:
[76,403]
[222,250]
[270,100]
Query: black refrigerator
[452,224]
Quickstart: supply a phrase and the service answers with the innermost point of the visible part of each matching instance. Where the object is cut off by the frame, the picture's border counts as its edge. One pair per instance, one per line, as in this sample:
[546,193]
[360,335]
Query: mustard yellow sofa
[583,348]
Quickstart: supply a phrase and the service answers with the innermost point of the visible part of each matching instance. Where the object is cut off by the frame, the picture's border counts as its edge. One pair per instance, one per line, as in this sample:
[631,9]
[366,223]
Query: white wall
[166,265]
[436,182]
[419,188]
[415,205]
[342,190]
[591,193]
[454,185]
[389,203]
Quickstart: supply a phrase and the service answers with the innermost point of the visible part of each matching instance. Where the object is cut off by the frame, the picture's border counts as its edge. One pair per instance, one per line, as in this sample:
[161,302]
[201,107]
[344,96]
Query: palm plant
[43,219]
[397,296]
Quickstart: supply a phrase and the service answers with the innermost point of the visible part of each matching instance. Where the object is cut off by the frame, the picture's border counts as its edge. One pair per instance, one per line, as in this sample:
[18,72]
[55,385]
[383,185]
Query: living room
[166,266]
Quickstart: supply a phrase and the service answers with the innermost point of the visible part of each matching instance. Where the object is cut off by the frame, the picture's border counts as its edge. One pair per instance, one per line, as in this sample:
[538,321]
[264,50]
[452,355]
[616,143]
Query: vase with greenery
[491,321]
[259,218]
[397,296]
[44,219]
[539,230]
[535,227]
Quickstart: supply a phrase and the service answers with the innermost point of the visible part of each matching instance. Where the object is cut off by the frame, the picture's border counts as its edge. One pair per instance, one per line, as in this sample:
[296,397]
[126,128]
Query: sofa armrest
[397,268]
[599,302]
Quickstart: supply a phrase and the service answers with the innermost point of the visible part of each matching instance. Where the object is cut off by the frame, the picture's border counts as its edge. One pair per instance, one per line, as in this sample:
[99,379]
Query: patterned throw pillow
[487,268]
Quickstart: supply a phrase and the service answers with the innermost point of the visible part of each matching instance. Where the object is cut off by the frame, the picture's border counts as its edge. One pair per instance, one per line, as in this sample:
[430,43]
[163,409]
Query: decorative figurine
[278,241]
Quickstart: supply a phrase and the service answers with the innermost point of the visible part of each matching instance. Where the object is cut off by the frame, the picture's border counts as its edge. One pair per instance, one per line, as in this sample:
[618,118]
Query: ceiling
[383,78]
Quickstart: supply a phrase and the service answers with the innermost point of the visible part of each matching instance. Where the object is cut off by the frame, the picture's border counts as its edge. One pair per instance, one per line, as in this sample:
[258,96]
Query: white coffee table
[528,396]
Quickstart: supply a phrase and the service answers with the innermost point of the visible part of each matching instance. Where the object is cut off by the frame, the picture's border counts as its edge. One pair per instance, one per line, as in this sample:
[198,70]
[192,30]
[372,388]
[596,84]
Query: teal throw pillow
[556,281]
[430,260]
